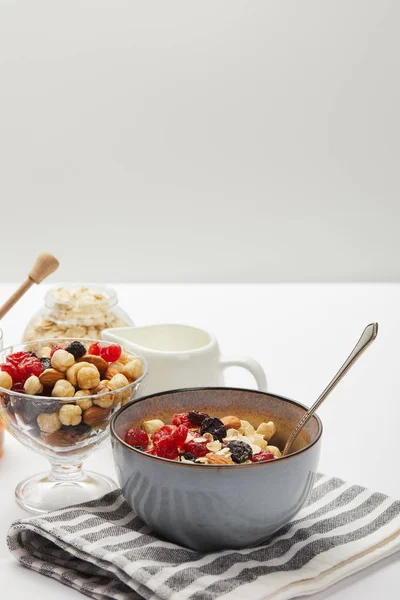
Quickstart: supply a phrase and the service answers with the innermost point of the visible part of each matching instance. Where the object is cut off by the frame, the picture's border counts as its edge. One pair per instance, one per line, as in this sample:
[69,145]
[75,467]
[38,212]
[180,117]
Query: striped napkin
[103,550]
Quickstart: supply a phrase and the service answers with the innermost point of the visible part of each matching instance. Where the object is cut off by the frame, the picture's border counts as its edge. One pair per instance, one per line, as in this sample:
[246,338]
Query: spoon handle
[367,337]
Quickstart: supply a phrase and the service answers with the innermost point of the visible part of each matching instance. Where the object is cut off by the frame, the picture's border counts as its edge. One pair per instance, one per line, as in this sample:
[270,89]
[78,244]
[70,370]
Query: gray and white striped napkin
[103,550]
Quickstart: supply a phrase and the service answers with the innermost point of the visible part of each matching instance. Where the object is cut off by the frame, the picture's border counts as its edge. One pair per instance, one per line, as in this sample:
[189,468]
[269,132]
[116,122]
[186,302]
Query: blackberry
[197,417]
[76,349]
[214,426]
[187,456]
[46,363]
[240,451]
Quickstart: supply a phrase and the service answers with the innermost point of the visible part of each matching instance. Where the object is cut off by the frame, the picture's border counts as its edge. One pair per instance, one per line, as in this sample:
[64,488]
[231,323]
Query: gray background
[201,141]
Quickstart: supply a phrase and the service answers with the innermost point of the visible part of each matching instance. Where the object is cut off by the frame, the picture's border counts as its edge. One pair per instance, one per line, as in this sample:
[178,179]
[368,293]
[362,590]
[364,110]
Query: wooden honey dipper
[44,266]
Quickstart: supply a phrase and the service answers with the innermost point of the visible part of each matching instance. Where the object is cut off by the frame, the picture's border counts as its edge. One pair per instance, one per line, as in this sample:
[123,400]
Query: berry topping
[240,451]
[180,435]
[197,417]
[182,419]
[94,349]
[166,448]
[111,353]
[152,451]
[46,363]
[214,426]
[261,456]
[163,432]
[198,449]
[76,349]
[137,438]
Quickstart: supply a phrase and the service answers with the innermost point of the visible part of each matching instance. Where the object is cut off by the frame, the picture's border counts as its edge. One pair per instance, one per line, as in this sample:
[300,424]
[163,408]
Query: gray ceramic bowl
[209,507]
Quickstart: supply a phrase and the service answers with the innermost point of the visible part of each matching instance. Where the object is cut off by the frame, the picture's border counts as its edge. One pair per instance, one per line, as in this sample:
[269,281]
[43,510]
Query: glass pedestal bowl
[35,421]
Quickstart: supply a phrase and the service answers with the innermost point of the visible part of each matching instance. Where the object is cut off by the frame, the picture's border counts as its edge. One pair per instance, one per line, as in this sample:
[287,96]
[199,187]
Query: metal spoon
[367,337]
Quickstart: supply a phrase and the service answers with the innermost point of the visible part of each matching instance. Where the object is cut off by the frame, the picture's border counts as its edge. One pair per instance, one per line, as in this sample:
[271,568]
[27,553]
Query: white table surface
[301,334]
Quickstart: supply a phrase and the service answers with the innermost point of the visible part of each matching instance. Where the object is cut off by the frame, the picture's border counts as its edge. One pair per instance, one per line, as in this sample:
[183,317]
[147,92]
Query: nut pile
[69,374]
[197,438]
[80,312]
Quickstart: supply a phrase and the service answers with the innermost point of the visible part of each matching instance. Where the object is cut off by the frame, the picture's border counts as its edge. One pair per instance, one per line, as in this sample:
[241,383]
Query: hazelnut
[49,423]
[33,386]
[72,372]
[70,414]
[61,360]
[113,369]
[118,381]
[88,377]
[6,381]
[125,358]
[133,369]
[63,389]
[84,403]
[45,352]
[104,401]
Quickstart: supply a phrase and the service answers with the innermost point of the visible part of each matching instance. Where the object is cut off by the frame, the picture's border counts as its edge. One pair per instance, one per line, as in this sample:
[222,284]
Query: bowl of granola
[203,466]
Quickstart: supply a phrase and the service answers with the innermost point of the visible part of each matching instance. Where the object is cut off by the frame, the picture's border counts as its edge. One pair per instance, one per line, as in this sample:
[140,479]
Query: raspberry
[152,451]
[182,419]
[111,353]
[261,456]
[180,435]
[166,448]
[94,349]
[162,433]
[198,449]
[137,438]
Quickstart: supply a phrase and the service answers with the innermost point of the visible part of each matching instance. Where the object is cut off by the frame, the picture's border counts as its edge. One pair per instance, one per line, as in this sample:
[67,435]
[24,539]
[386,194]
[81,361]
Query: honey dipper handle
[44,266]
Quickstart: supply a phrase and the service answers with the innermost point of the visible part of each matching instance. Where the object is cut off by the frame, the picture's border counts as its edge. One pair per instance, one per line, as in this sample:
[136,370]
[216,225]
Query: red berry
[182,419]
[11,370]
[18,387]
[137,438]
[180,435]
[54,348]
[94,349]
[163,432]
[198,449]
[16,358]
[166,448]
[111,353]
[31,366]
[261,456]
[152,451]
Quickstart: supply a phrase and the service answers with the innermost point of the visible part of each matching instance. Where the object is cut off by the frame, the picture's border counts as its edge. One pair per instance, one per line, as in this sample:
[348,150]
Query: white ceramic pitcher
[180,356]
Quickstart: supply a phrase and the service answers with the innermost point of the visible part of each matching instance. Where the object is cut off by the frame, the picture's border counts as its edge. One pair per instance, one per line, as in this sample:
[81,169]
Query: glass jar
[78,311]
